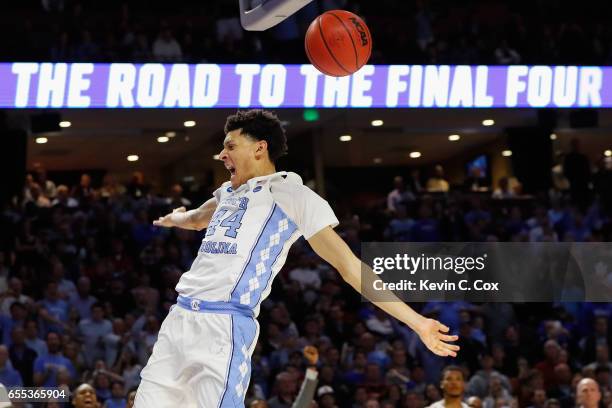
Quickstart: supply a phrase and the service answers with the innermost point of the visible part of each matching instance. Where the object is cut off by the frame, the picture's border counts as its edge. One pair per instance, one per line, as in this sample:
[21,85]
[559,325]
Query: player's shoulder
[224,188]
[290,183]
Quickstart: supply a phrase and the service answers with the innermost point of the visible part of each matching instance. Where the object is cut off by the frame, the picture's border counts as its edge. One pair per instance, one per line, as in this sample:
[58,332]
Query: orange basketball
[338,43]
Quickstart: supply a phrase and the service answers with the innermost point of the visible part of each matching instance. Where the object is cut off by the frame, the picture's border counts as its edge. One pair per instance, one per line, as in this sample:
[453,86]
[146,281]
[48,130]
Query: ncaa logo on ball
[362,33]
[195,304]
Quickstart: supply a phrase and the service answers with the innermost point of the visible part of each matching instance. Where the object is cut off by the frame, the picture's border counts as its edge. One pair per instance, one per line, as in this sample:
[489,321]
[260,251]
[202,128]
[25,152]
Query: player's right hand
[168,220]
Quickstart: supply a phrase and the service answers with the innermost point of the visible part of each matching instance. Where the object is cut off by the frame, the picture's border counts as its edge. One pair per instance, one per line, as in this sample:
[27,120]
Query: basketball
[338,43]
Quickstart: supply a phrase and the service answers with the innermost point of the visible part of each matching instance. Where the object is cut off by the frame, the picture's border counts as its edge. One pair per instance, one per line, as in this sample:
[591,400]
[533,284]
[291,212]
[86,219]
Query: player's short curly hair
[260,125]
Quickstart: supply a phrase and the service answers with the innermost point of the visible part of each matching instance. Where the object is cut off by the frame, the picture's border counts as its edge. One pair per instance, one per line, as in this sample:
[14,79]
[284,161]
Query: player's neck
[264,170]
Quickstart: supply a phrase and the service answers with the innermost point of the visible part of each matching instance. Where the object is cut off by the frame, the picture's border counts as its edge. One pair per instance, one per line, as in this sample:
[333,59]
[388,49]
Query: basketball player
[202,354]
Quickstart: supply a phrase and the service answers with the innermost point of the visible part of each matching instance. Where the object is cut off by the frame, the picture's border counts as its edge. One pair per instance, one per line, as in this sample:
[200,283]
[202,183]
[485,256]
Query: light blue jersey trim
[258,271]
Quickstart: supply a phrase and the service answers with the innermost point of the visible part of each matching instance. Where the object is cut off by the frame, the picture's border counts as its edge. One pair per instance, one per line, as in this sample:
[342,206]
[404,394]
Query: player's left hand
[432,335]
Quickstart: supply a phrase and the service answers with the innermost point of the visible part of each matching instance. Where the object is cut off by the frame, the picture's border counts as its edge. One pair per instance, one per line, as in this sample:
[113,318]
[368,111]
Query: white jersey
[249,236]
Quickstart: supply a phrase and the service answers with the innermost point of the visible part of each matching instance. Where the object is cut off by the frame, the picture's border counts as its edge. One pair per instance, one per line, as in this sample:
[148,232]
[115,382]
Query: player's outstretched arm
[329,246]
[197,219]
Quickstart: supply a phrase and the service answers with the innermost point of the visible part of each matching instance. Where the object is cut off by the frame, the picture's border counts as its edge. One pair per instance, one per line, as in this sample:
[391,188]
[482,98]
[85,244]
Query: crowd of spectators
[421,32]
[86,279]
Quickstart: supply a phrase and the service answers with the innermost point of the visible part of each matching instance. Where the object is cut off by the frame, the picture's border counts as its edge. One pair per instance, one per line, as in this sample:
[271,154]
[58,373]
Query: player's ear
[262,147]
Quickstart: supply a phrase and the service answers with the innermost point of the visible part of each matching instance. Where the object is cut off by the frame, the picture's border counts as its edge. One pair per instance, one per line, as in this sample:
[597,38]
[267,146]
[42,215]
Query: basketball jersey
[249,236]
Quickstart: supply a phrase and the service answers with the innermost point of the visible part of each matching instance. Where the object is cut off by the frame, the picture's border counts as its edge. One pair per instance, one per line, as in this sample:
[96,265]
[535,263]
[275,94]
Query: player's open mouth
[231,169]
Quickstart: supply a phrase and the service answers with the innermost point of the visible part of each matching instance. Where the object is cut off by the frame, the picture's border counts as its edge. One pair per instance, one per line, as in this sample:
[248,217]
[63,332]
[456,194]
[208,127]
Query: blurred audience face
[85,180]
[414,400]
[31,329]
[452,384]
[372,404]
[117,390]
[551,350]
[587,393]
[286,384]
[83,286]
[85,397]
[18,335]
[54,343]
[539,397]
[3,355]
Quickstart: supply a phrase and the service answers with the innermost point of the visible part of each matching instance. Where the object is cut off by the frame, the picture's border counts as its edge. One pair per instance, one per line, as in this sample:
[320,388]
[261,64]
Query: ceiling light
[488,122]
[170,134]
[189,123]
[377,160]
[65,124]
[507,153]
[377,122]
[216,157]
[415,155]
[553,136]
[133,158]
[608,153]
[346,138]
[163,139]
[41,140]
[454,138]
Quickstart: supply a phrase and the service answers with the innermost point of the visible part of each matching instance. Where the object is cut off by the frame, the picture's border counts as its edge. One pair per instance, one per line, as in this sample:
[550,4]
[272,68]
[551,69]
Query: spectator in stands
[453,387]
[22,357]
[166,48]
[46,367]
[600,335]
[480,383]
[562,390]
[547,366]
[414,182]
[87,50]
[37,197]
[9,377]
[399,227]
[16,318]
[577,169]
[53,310]
[602,357]
[399,197]
[84,397]
[503,190]
[176,198]
[47,186]
[588,394]
[505,55]
[138,188]
[83,192]
[92,331]
[82,300]
[14,294]
[63,198]
[437,183]
[285,389]
[538,398]
[475,181]
[117,399]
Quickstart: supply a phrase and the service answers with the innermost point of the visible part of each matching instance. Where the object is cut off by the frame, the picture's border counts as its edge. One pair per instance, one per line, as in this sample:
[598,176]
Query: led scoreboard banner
[121,85]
